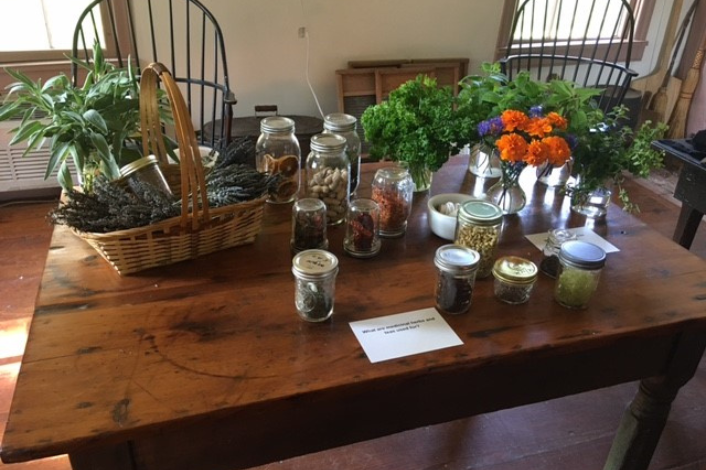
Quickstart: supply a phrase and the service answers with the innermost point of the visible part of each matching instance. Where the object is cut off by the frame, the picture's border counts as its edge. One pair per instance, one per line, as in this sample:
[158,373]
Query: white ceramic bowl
[443,225]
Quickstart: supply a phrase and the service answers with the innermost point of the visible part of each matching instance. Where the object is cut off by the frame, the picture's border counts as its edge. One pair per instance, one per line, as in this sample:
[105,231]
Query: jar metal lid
[314,264]
[339,122]
[515,270]
[328,143]
[584,255]
[277,124]
[480,213]
[456,259]
[138,165]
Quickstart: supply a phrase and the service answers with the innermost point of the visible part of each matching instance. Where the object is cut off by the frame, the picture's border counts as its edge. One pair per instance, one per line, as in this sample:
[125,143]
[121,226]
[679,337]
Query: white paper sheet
[583,233]
[404,334]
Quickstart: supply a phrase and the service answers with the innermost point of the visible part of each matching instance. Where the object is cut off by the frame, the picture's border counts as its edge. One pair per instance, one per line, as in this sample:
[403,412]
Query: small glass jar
[362,229]
[393,191]
[145,171]
[478,228]
[514,279]
[328,175]
[456,276]
[550,260]
[277,152]
[580,266]
[309,225]
[315,284]
[345,126]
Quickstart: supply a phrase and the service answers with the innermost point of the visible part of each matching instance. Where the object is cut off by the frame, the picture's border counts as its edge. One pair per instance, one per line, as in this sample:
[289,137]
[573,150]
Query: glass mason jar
[345,126]
[456,276]
[362,229]
[580,266]
[393,191]
[309,225]
[144,171]
[315,284]
[277,152]
[550,260]
[478,228]
[328,175]
[514,279]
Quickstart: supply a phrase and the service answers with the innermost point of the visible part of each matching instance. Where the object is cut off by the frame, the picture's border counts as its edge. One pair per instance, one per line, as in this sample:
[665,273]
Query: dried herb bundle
[111,207]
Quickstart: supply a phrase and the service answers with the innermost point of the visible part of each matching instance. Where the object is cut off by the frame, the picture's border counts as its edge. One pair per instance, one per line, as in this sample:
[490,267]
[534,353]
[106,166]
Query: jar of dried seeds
[278,153]
[514,279]
[328,175]
[315,284]
[345,126]
[309,225]
[456,275]
[478,228]
[145,171]
[393,191]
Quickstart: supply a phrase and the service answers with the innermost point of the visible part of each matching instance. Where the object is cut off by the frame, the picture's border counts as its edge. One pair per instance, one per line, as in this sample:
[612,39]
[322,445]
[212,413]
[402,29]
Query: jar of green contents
[580,266]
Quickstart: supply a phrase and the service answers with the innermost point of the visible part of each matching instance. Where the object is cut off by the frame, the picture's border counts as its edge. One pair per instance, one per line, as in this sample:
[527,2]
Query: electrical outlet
[302,32]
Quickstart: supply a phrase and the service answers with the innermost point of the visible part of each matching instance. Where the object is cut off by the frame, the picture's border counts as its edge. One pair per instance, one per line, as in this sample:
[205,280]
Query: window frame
[642,24]
[45,64]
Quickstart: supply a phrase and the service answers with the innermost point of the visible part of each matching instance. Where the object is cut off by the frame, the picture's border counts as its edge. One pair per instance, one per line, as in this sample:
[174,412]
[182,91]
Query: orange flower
[538,127]
[557,120]
[512,147]
[559,151]
[513,120]
[537,153]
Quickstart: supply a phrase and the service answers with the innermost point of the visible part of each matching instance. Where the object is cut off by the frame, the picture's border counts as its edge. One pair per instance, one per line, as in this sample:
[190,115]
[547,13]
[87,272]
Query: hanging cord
[308,47]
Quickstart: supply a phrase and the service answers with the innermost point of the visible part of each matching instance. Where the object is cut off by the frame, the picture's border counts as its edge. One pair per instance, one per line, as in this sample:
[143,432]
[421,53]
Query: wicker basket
[200,229]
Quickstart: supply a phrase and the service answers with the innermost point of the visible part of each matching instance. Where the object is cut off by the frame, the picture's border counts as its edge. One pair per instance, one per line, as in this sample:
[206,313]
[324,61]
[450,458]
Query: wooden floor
[569,433]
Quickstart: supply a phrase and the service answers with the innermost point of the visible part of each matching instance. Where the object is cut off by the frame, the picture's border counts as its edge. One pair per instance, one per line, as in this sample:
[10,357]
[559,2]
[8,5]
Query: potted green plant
[93,124]
[414,126]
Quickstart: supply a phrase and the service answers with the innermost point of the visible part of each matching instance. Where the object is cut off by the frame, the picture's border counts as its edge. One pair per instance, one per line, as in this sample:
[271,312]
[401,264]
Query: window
[567,18]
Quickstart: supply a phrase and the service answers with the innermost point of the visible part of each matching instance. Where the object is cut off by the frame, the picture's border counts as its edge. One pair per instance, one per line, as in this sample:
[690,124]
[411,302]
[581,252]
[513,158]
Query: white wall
[267,60]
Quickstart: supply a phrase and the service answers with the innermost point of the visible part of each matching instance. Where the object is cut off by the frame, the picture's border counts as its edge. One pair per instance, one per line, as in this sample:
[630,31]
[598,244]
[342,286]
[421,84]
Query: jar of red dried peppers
[393,191]
[362,229]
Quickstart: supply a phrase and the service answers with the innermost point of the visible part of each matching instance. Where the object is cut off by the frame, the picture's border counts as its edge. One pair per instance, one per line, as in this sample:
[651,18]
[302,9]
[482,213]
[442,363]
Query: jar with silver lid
[393,190]
[550,260]
[456,275]
[362,229]
[478,228]
[514,279]
[309,225]
[327,175]
[315,284]
[345,125]
[144,171]
[277,152]
[580,267]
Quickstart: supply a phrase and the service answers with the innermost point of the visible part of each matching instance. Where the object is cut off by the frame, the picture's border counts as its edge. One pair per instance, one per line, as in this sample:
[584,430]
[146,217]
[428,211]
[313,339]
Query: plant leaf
[25,131]
[64,177]
[57,155]
[94,118]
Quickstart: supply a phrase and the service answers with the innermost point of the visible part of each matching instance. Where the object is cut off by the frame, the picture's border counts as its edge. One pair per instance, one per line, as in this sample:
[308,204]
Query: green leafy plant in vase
[415,127]
[96,125]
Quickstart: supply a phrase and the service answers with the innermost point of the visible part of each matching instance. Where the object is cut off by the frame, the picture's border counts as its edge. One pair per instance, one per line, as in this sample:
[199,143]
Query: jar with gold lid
[145,171]
[514,279]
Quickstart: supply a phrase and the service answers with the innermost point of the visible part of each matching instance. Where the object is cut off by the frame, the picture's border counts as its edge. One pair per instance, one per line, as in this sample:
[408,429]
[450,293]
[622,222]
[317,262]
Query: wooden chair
[588,42]
[181,34]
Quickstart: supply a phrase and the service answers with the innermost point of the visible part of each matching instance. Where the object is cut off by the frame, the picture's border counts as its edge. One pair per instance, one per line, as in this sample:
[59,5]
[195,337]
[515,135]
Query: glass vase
[484,162]
[508,195]
[591,202]
[421,175]
[554,176]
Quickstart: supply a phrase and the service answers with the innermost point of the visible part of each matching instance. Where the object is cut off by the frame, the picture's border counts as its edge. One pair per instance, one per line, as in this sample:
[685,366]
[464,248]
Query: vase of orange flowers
[523,139]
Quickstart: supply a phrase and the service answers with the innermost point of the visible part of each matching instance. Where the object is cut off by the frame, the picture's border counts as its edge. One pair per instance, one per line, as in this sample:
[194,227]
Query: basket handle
[193,181]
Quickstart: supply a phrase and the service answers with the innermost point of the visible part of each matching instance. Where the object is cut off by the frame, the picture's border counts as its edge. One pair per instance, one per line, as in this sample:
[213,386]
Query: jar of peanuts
[328,175]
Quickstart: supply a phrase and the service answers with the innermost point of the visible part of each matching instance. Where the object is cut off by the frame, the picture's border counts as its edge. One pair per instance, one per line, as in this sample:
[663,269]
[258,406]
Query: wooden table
[205,364]
[690,190]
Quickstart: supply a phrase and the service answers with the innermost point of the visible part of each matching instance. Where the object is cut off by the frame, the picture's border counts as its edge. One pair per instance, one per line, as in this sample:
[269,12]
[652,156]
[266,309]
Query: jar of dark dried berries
[393,191]
[362,229]
[309,225]
[456,275]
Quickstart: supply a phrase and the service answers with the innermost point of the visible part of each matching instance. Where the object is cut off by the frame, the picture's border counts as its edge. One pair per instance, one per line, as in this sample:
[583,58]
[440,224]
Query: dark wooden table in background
[205,364]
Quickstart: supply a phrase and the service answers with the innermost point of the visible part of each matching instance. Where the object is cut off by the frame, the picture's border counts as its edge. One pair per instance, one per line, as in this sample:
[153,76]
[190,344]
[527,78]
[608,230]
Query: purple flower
[536,111]
[572,140]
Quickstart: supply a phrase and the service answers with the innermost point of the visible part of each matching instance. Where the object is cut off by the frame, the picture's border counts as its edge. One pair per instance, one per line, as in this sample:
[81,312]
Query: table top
[684,150]
[113,358]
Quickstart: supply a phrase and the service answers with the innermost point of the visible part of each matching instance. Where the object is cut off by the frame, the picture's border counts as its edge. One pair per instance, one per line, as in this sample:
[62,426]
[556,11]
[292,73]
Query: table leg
[643,421]
[688,223]
[109,457]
